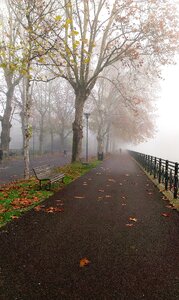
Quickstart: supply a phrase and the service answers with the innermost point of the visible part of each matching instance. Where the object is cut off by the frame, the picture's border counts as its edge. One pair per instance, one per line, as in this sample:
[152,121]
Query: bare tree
[123,102]
[97,34]
[8,62]
[36,18]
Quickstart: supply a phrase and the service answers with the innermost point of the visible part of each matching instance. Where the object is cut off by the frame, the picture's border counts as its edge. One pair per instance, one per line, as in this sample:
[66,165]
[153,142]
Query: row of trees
[110,52]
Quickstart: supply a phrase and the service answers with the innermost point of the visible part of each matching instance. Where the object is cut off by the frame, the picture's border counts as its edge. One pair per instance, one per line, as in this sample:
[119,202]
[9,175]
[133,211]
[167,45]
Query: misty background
[165,144]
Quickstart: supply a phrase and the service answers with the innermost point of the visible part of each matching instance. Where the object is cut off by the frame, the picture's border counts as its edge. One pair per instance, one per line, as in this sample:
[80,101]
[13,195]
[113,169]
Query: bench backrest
[43,170]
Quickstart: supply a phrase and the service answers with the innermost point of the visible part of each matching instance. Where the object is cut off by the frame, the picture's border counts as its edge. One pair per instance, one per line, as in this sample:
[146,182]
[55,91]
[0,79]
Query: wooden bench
[47,174]
[83,161]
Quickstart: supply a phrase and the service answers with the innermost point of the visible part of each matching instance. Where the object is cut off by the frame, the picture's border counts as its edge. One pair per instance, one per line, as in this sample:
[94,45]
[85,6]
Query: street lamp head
[87,115]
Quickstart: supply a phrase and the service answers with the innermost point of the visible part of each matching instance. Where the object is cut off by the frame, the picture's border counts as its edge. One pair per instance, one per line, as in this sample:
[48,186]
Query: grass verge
[20,196]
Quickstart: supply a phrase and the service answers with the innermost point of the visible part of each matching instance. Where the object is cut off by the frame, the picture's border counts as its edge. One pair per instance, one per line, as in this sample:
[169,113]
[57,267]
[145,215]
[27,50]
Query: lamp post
[87,117]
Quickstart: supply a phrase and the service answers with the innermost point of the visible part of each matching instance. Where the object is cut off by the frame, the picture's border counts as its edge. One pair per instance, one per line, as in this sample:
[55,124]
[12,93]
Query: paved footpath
[135,258]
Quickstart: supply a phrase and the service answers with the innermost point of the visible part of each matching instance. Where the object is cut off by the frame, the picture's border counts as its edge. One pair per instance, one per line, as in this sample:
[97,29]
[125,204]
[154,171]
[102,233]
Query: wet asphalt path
[113,217]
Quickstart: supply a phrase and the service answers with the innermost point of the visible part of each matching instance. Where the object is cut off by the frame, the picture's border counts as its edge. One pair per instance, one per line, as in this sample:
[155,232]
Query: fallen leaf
[165,214]
[111,180]
[14,217]
[108,196]
[79,197]
[170,206]
[37,208]
[123,204]
[101,191]
[129,225]
[127,175]
[123,197]
[133,219]
[84,262]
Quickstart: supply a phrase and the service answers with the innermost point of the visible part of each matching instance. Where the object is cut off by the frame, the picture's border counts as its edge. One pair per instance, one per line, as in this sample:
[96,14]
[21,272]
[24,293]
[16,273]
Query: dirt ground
[114,217]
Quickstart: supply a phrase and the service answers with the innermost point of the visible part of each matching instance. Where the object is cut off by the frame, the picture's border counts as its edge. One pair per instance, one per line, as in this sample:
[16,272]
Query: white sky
[166,142]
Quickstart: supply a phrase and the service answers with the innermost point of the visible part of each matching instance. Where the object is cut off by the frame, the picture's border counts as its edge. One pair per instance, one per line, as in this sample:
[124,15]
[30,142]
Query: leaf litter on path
[84,262]
[165,215]
[111,180]
[50,209]
[132,219]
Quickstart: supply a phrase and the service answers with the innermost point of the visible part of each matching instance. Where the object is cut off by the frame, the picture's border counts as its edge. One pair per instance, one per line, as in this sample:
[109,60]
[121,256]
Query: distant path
[130,259]
[14,168]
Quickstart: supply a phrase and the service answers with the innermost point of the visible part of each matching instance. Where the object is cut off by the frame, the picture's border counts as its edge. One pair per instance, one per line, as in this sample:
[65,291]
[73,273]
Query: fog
[165,144]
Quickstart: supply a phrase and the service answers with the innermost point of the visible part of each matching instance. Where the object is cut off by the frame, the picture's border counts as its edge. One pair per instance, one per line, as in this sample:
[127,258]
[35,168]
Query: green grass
[23,195]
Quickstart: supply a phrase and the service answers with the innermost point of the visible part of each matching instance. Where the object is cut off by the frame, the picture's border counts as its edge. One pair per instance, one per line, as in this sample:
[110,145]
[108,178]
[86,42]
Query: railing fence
[164,171]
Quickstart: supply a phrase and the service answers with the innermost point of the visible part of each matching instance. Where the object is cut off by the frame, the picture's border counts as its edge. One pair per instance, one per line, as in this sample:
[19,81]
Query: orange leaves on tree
[84,262]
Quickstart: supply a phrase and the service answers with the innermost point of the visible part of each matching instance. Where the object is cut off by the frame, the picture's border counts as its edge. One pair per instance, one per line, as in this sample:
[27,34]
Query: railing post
[145,166]
[148,164]
[176,181]
[155,166]
[159,171]
[151,162]
[170,179]
[166,175]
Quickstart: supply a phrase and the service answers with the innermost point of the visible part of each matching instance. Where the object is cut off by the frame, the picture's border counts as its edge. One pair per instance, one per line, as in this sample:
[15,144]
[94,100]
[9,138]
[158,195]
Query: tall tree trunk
[107,139]
[27,129]
[77,125]
[51,140]
[22,128]
[41,136]
[5,122]
[100,143]
[62,141]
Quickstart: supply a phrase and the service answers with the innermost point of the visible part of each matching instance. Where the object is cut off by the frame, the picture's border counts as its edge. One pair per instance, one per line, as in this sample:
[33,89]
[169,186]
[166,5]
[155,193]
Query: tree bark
[5,122]
[81,97]
[51,140]
[27,133]
[107,139]
[100,144]
[62,142]
[41,136]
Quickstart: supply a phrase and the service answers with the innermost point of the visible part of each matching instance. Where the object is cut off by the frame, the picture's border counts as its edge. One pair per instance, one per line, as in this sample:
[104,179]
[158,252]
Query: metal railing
[165,171]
